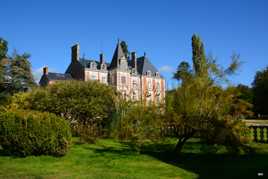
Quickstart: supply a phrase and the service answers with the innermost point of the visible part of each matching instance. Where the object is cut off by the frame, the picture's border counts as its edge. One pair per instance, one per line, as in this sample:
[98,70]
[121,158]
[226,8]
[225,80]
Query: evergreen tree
[199,57]
[3,55]
[183,72]
[260,92]
[20,72]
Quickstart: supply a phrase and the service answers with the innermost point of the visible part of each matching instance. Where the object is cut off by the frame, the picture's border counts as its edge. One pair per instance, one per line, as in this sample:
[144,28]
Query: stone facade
[136,78]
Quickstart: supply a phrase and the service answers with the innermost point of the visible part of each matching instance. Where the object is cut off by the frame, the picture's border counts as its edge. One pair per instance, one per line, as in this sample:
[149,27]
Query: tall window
[123,79]
[103,79]
[93,77]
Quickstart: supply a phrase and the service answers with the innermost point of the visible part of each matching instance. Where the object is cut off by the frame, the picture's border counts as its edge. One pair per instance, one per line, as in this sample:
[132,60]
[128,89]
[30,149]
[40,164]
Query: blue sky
[162,29]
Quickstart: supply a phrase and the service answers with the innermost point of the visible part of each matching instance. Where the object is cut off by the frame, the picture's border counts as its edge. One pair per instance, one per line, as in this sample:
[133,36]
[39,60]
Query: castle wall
[101,76]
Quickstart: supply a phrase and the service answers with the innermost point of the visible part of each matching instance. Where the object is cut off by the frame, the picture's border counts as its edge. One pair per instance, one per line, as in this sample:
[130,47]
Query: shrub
[81,103]
[137,123]
[26,133]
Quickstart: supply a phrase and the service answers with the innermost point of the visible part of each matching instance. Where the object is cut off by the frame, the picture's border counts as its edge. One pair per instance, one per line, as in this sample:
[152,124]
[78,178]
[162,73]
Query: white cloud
[166,69]
[37,73]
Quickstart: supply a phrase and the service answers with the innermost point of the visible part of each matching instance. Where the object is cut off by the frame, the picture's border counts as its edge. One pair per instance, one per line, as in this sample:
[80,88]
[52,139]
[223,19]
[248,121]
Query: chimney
[45,70]
[75,52]
[101,58]
[134,60]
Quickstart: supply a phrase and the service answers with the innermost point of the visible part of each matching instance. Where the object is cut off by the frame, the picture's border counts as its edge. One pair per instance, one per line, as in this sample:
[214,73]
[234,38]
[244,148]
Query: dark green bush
[81,103]
[26,133]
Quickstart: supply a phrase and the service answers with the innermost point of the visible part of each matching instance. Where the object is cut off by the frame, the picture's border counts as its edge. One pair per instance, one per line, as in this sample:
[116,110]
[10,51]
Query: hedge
[26,133]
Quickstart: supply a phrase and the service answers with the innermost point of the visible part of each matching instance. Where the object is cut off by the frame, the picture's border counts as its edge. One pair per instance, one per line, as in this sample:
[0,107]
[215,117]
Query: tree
[3,70]
[239,105]
[260,92]
[183,72]
[15,73]
[199,57]
[3,48]
[3,55]
[88,106]
[137,123]
[21,73]
[124,48]
[202,106]
[245,93]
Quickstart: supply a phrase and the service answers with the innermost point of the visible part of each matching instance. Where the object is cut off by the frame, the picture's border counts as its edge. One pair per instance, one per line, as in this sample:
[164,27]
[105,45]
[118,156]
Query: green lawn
[110,159]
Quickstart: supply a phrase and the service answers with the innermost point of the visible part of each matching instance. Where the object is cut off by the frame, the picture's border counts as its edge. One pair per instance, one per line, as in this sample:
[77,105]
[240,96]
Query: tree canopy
[203,106]
[15,72]
[260,92]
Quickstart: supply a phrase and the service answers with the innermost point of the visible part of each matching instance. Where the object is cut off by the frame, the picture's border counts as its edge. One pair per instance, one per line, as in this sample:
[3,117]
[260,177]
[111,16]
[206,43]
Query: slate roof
[59,76]
[144,65]
[118,53]
[86,62]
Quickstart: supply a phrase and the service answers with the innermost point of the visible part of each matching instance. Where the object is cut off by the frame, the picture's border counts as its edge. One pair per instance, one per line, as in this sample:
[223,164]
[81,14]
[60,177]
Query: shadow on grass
[213,166]
[207,166]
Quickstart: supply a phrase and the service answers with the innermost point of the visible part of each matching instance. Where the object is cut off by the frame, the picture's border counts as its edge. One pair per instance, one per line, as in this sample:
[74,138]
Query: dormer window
[157,74]
[133,71]
[93,65]
[148,73]
[103,67]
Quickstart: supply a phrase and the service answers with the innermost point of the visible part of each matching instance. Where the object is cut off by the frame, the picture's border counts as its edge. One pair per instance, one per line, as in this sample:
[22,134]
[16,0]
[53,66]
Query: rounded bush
[88,106]
[26,133]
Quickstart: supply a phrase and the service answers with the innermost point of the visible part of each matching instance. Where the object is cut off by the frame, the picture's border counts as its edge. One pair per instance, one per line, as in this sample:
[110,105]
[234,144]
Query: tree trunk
[180,144]
[182,141]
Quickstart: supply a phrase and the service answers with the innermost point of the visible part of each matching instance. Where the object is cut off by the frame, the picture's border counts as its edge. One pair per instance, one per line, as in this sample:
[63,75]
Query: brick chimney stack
[45,70]
[102,58]
[75,52]
[134,60]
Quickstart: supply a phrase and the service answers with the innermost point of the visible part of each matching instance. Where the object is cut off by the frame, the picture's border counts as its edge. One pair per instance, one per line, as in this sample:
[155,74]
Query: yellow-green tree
[201,105]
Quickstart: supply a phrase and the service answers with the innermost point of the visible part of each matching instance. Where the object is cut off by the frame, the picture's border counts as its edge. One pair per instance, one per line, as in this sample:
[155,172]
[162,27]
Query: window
[103,79]
[148,73]
[93,65]
[149,85]
[158,89]
[157,74]
[123,79]
[103,66]
[135,85]
[93,77]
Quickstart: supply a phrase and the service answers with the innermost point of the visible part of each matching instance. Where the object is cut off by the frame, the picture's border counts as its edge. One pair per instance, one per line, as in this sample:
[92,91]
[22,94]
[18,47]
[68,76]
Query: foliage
[3,48]
[183,71]
[20,73]
[15,73]
[137,123]
[260,92]
[245,93]
[199,58]
[33,133]
[3,62]
[3,55]
[239,106]
[202,106]
[81,103]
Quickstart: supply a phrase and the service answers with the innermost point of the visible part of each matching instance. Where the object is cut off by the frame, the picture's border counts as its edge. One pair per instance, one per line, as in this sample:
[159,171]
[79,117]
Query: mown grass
[110,159]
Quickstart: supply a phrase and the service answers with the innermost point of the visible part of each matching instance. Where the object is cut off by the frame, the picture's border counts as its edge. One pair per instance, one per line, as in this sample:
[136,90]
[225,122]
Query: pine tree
[20,72]
[3,55]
